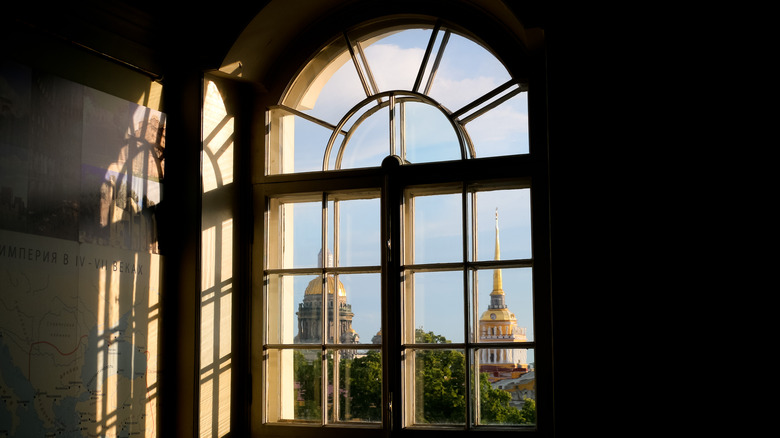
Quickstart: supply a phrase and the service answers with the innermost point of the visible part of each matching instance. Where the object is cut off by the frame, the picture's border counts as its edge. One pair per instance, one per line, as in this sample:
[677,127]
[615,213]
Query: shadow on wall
[80,184]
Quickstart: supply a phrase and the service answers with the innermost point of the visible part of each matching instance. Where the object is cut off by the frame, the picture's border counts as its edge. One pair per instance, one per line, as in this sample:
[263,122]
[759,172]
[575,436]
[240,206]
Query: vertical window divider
[402,128]
[465,297]
[474,414]
[391,107]
[324,312]
[393,354]
[336,312]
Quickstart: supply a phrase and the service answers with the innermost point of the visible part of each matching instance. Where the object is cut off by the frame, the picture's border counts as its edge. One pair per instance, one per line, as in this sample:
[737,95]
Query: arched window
[387,157]
[423,93]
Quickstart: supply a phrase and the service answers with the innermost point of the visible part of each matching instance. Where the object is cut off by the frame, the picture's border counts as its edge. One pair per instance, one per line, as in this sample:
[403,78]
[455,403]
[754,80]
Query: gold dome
[497,315]
[315,287]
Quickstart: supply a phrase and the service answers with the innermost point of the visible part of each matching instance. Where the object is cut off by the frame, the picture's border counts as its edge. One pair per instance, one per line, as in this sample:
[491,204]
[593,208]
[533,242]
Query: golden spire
[498,287]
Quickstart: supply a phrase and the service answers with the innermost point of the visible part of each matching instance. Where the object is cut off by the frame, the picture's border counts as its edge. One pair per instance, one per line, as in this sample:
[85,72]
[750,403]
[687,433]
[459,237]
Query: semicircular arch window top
[423,93]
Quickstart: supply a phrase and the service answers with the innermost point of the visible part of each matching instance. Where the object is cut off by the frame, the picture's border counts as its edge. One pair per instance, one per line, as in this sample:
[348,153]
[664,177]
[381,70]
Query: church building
[310,314]
[499,324]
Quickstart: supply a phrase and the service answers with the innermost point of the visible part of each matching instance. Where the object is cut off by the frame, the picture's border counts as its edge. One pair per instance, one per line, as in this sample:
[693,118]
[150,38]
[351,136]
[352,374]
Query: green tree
[361,384]
[528,412]
[307,387]
[494,405]
[440,391]
[440,379]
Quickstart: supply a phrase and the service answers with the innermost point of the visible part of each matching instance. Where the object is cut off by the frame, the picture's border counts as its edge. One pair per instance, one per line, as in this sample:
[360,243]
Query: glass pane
[308,309]
[427,134]
[369,143]
[467,72]
[507,395]
[503,221]
[439,386]
[437,229]
[502,130]
[309,146]
[307,368]
[331,100]
[358,232]
[339,323]
[395,59]
[359,385]
[294,385]
[505,305]
[292,317]
[297,228]
[361,315]
[438,306]
[296,144]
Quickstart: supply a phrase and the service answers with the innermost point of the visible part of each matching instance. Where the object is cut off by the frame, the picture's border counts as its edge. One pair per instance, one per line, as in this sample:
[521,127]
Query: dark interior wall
[92,295]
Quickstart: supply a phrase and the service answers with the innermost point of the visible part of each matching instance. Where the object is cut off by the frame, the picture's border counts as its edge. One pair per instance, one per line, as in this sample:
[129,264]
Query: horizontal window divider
[314,424]
[500,264]
[330,270]
[321,346]
[433,267]
[507,167]
[367,177]
[353,424]
[483,345]
[293,271]
[454,266]
[436,427]
[514,168]
[451,346]
[472,428]
[468,345]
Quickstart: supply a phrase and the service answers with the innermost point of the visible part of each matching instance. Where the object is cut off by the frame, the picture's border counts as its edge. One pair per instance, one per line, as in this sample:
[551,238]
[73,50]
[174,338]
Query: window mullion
[324,313]
[465,294]
[336,314]
[392,356]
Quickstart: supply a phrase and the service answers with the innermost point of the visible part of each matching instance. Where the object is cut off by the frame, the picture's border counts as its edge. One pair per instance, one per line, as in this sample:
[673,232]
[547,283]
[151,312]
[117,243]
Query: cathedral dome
[497,315]
[315,287]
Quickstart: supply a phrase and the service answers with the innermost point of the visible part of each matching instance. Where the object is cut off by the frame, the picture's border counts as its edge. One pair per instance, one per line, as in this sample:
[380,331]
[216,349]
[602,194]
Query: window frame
[392,178]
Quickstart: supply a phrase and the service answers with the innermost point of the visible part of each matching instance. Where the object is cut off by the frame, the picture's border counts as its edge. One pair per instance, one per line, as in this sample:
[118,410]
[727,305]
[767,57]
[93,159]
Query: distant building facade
[310,314]
[499,324]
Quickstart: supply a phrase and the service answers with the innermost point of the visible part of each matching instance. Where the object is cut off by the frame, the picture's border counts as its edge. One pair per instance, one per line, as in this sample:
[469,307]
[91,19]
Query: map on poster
[80,182]
[76,355]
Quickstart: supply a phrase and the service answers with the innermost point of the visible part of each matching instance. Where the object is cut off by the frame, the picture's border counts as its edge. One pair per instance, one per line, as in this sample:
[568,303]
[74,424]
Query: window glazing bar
[402,130]
[366,78]
[426,57]
[391,107]
[436,63]
[493,104]
[479,101]
[308,117]
[370,76]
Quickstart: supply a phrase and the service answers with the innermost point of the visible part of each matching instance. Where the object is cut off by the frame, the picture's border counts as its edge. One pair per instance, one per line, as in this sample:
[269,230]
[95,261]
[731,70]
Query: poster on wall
[81,177]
